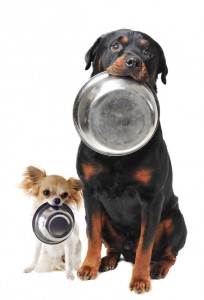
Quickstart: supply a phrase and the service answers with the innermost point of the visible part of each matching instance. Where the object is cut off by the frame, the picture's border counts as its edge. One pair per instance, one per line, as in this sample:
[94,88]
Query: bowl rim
[36,228]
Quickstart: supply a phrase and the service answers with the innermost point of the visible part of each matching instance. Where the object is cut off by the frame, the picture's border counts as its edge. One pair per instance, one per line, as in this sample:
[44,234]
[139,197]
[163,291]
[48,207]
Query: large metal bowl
[115,115]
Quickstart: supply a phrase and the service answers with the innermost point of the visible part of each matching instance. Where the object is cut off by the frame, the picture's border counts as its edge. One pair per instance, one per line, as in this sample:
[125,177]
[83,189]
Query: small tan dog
[66,255]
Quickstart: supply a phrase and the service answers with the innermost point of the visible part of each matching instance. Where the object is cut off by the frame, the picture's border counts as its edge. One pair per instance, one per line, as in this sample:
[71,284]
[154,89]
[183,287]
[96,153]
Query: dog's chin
[137,76]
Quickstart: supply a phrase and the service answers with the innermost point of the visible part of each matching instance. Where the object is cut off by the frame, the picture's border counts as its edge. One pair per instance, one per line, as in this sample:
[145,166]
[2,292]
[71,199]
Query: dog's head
[128,53]
[53,188]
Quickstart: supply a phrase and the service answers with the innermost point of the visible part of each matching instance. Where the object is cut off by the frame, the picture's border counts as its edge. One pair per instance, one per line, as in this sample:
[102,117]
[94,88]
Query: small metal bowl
[115,115]
[53,224]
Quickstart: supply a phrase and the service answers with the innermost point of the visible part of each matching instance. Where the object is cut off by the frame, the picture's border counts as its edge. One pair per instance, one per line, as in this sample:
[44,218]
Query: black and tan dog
[129,200]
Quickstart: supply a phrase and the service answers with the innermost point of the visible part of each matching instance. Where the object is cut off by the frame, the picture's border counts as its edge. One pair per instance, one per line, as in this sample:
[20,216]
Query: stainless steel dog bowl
[53,224]
[115,115]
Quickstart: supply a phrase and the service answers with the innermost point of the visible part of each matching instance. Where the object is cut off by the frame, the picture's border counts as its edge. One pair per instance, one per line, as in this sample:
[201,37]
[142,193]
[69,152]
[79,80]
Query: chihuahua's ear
[32,176]
[76,188]
[75,184]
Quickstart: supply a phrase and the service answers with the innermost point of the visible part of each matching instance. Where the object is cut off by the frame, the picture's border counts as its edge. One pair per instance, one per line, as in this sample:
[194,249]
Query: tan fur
[46,188]
[36,181]
[32,177]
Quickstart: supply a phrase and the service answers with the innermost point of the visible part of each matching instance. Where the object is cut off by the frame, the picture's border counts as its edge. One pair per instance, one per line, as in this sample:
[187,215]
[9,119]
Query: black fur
[132,192]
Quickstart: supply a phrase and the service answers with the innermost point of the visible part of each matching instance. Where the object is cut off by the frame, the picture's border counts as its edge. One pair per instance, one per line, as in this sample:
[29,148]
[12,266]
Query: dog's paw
[70,275]
[87,273]
[28,269]
[140,285]
[59,265]
[108,263]
[160,269]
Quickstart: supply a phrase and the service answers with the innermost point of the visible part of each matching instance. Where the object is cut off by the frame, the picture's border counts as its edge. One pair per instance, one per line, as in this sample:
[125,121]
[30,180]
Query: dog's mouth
[129,65]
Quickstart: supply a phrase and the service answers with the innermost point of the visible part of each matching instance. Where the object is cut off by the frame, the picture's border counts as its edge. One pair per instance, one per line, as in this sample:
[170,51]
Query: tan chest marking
[90,170]
[143,175]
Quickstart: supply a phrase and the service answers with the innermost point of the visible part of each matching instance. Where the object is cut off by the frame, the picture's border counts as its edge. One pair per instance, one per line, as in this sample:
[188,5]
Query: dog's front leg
[90,266]
[150,215]
[36,257]
[69,250]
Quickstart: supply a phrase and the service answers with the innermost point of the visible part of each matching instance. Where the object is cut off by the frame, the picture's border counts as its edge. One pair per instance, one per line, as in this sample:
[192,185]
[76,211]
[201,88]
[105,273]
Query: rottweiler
[130,204]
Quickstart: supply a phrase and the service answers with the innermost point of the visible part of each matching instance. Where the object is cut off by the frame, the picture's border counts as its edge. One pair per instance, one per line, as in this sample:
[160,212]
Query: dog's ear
[75,184]
[76,190]
[162,68]
[90,55]
[32,176]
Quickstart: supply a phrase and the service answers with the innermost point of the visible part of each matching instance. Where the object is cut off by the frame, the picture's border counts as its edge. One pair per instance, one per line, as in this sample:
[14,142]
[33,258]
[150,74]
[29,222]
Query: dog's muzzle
[53,224]
[133,62]
[129,64]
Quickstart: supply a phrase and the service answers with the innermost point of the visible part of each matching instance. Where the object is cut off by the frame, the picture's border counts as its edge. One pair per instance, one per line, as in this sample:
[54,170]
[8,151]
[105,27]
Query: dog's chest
[120,198]
[54,250]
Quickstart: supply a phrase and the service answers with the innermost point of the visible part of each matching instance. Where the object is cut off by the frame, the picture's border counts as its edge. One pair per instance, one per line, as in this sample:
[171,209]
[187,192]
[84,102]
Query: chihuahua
[43,188]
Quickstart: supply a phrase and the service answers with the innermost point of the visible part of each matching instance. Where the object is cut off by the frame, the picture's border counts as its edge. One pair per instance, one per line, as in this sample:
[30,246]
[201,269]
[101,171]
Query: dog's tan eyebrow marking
[143,42]
[124,39]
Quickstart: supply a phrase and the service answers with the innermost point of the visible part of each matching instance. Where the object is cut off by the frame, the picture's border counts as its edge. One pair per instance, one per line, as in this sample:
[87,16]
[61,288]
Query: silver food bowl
[53,224]
[115,115]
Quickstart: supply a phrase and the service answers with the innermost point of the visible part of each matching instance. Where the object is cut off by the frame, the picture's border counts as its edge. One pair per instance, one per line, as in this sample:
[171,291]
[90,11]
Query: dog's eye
[46,193]
[147,52]
[116,47]
[64,195]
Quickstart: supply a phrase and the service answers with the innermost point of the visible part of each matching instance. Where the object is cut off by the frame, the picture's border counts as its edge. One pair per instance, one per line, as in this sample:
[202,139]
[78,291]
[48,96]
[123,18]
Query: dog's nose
[133,62]
[57,201]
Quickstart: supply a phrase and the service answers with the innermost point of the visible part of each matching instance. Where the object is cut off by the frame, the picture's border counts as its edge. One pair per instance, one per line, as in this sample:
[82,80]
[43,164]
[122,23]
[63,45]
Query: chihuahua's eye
[64,195]
[46,193]
[116,47]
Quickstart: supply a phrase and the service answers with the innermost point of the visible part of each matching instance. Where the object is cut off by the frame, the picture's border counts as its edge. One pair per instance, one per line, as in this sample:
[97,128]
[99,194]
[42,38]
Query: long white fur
[49,257]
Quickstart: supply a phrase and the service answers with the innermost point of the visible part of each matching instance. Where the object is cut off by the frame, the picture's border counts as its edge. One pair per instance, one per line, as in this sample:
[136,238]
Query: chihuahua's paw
[70,275]
[59,265]
[140,285]
[28,269]
[87,273]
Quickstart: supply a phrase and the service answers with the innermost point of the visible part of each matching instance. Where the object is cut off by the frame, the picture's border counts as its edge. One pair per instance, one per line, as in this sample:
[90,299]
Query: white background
[42,48]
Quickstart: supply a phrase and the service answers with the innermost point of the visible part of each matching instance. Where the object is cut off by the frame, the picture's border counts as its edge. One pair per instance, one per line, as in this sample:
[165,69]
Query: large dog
[129,200]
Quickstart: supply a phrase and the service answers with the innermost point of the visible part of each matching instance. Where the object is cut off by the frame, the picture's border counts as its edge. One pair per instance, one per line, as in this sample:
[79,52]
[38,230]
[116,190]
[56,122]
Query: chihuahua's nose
[133,62]
[57,201]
